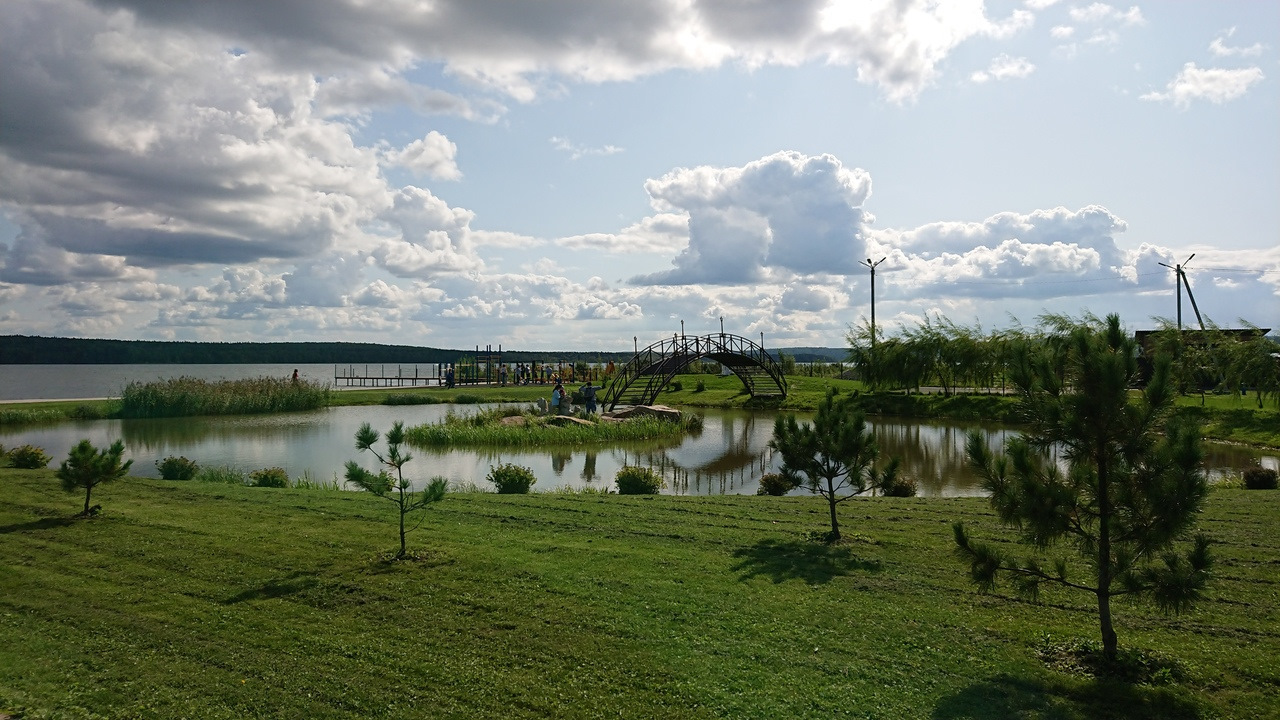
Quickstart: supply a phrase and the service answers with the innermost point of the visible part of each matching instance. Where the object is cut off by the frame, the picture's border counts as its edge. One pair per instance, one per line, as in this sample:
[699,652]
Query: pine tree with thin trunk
[397,489]
[833,456]
[1109,478]
[87,467]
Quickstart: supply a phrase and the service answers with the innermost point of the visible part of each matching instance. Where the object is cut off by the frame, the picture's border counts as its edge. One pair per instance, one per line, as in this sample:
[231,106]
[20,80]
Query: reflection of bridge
[643,377]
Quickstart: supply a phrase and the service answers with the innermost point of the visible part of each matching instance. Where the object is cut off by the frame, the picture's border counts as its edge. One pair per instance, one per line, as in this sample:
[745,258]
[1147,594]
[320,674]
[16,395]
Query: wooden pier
[431,375]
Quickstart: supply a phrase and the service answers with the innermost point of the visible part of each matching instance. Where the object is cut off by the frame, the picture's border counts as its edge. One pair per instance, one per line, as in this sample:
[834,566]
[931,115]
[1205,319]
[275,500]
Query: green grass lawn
[213,601]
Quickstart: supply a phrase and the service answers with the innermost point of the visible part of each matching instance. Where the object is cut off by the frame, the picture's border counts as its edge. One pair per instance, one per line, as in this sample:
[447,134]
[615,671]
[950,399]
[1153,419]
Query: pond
[727,457]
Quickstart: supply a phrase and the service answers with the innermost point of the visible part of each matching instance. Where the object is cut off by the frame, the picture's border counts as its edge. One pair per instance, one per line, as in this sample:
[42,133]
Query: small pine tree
[396,489]
[87,467]
[833,456]
[1132,486]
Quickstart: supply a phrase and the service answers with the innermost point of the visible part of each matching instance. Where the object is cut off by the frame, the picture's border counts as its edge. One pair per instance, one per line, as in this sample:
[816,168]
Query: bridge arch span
[639,381]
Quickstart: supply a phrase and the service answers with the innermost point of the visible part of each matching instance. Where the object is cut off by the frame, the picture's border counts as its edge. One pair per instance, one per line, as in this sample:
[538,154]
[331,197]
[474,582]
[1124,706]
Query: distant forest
[27,350]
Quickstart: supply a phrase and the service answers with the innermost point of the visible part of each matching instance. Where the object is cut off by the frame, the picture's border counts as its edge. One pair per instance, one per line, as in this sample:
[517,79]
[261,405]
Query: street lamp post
[872,266]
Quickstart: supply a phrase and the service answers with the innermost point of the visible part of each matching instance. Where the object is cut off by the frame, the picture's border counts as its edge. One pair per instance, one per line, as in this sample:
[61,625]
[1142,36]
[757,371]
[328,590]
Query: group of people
[561,402]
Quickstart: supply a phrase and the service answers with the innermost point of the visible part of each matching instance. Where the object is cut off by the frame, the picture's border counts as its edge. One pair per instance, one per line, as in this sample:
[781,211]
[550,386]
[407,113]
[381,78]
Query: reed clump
[21,416]
[491,428]
[187,396]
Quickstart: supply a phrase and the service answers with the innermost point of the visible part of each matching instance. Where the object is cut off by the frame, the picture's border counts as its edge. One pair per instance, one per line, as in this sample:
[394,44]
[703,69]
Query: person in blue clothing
[558,403]
[589,396]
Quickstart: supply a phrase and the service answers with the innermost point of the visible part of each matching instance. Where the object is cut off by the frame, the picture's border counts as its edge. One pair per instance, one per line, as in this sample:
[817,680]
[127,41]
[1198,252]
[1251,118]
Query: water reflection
[932,453]
[729,456]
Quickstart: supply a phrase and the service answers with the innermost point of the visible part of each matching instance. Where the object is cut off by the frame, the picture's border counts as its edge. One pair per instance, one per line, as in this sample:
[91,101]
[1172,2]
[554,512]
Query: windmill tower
[1182,277]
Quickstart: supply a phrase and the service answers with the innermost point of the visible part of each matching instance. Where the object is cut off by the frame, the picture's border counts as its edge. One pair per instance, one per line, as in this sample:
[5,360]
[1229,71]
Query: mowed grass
[211,601]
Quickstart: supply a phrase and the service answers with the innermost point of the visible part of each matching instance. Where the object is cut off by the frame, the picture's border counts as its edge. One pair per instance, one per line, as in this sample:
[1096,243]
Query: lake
[728,456]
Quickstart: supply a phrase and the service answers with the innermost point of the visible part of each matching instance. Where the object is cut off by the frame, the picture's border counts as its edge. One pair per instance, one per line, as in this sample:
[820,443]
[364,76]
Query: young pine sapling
[394,488]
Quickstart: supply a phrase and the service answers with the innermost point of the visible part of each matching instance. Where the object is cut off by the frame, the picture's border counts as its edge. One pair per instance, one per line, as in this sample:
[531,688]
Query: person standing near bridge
[589,396]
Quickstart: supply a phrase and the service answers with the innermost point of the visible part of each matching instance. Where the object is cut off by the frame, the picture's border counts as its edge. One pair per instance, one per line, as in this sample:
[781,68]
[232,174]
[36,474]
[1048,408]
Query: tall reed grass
[30,417]
[185,396]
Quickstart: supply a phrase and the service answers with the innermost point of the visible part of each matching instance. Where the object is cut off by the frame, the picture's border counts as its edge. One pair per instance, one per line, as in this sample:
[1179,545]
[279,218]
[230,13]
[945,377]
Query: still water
[727,457]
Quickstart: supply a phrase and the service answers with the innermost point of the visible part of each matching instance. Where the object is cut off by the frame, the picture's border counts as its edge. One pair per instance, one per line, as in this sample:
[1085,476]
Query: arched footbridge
[645,375]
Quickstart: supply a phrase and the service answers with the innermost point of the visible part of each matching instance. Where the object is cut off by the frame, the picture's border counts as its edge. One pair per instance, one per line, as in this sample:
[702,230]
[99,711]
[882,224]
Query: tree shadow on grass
[809,562]
[294,583]
[41,524]
[1006,696]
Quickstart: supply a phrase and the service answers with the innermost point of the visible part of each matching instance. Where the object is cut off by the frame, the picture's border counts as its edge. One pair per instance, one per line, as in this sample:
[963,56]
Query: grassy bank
[212,601]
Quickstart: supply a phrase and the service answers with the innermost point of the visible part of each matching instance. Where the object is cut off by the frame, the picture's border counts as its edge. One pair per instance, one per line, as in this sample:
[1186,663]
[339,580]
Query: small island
[522,426]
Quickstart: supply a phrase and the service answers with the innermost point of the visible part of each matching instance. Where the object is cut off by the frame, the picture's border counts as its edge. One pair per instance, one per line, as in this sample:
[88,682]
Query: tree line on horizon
[35,350]
[38,350]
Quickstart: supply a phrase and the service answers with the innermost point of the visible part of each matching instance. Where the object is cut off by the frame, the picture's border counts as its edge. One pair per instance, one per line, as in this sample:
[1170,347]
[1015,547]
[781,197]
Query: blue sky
[572,174]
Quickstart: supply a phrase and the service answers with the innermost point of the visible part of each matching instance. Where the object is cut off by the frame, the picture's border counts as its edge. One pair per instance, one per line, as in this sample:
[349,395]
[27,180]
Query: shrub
[899,487]
[269,477]
[1260,478]
[633,480]
[511,479]
[775,484]
[468,399]
[86,412]
[176,468]
[28,457]
[676,386]
[701,386]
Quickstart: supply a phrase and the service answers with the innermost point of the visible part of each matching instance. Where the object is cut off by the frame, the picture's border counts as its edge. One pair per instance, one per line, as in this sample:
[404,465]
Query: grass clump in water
[29,417]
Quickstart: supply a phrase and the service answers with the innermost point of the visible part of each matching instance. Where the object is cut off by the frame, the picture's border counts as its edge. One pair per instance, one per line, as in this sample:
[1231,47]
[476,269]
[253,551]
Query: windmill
[1182,276]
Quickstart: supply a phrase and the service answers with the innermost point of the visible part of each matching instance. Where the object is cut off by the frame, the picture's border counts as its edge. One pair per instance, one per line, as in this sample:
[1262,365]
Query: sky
[585,175]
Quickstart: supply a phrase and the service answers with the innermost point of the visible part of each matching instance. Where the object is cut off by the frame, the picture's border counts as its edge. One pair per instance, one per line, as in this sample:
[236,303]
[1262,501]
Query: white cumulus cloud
[1220,48]
[432,156]
[785,212]
[1215,85]
[1004,68]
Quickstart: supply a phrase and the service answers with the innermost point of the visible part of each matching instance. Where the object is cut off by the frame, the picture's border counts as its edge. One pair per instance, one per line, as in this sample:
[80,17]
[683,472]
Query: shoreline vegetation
[180,598]
[1225,418]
